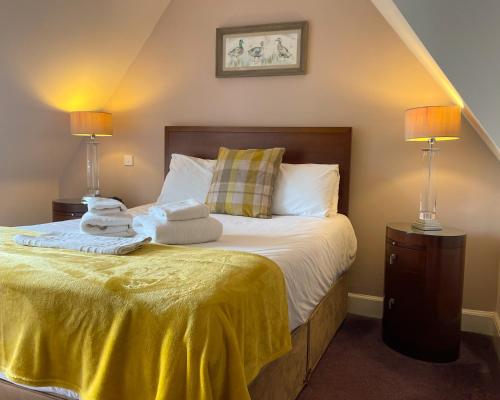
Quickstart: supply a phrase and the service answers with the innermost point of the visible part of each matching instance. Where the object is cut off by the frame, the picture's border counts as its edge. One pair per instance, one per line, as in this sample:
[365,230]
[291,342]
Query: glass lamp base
[92,168]
[427,225]
[427,215]
[95,193]
[92,193]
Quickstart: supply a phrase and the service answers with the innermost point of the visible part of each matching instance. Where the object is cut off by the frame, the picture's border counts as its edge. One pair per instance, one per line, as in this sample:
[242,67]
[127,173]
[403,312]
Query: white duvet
[311,252]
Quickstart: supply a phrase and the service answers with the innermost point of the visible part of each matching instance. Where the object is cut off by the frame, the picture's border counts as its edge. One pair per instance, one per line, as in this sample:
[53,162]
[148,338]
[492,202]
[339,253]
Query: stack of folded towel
[183,222]
[106,217]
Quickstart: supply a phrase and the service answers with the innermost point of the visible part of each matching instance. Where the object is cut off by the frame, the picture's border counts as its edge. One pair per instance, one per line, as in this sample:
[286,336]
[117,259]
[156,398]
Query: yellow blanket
[162,323]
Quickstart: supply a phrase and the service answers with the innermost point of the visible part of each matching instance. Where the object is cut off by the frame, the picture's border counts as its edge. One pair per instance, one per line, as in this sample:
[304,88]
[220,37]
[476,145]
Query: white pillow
[300,189]
[188,177]
[306,189]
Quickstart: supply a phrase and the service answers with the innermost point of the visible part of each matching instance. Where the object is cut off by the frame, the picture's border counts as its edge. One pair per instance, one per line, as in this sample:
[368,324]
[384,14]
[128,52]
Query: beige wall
[497,340]
[498,292]
[56,57]
[360,75]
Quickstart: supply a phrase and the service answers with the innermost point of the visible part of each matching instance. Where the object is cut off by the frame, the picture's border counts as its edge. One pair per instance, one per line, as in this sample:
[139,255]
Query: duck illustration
[237,51]
[282,50]
[256,52]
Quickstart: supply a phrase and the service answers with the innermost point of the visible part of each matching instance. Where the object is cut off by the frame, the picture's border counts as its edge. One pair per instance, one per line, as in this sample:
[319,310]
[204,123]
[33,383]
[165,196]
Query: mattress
[311,252]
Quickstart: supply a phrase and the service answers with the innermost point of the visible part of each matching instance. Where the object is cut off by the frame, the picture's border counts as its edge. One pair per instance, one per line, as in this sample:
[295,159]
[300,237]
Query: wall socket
[128,160]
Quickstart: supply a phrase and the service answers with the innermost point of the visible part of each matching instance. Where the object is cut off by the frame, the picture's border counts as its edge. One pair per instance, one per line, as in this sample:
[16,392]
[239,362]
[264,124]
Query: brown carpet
[358,365]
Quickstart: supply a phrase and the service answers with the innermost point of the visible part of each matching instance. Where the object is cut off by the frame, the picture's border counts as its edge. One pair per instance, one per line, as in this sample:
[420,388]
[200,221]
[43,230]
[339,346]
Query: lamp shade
[432,122]
[91,123]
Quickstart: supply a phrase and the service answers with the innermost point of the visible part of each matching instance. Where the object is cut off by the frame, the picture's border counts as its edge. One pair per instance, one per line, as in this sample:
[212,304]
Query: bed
[313,254]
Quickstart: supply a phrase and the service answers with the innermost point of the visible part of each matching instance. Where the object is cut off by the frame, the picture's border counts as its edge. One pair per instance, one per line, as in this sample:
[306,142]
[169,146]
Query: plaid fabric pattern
[243,182]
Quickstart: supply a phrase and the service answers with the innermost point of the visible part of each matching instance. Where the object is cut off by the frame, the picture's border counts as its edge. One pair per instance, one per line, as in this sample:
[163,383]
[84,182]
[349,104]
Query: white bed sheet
[311,252]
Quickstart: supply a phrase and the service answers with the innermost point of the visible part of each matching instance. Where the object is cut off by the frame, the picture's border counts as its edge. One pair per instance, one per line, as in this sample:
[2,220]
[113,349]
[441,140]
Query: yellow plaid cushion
[243,182]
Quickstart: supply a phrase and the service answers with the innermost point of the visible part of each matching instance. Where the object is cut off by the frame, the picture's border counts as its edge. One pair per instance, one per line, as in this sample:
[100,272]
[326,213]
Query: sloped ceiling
[72,54]
[58,56]
[457,41]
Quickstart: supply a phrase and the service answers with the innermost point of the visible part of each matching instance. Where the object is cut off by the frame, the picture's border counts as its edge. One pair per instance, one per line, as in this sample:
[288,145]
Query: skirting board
[484,322]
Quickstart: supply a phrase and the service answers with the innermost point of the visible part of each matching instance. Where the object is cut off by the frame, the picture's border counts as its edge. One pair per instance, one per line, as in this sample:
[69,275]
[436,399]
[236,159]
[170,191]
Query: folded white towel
[192,231]
[118,224]
[118,219]
[113,231]
[104,206]
[179,210]
[82,242]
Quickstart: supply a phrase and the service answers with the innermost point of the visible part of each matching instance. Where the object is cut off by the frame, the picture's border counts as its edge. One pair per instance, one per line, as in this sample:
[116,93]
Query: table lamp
[431,124]
[91,124]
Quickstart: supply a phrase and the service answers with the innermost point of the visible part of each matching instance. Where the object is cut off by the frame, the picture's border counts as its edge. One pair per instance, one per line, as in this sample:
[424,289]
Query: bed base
[284,378]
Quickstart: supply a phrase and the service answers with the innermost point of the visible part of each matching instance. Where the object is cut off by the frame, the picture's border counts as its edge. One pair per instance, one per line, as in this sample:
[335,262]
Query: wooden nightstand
[424,273]
[64,209]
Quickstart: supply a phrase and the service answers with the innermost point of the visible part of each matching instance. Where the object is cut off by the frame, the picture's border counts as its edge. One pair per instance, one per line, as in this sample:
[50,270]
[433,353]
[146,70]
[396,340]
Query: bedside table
[424,273]
[64,209]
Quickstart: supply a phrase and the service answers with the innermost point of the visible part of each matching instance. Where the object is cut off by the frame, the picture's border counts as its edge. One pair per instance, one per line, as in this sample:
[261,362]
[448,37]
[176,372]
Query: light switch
[128,160]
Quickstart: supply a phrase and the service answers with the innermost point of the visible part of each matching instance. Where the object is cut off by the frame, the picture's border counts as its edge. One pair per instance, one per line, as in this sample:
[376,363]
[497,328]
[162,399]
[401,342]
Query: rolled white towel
[104,206]
[118,224]
[179,210]
[192,231]
[85,243]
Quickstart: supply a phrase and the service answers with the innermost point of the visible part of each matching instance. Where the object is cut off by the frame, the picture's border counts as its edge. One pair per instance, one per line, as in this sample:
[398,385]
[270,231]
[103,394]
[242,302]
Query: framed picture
[262,50]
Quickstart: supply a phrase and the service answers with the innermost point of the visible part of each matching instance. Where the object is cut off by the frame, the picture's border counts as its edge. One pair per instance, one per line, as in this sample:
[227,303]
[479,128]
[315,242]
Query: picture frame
[262,50]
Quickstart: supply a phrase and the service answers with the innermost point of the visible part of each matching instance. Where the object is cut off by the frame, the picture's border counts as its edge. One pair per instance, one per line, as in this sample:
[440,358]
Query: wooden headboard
[303,145]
